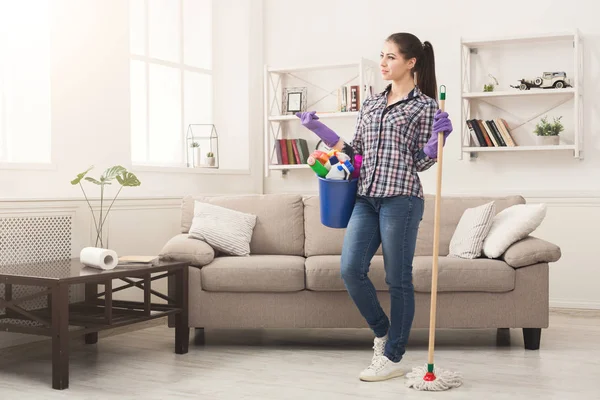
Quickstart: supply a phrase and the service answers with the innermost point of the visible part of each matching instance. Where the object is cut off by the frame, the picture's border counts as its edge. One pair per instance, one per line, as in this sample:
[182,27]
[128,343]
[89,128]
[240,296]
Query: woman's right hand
[309,119]
[306,118]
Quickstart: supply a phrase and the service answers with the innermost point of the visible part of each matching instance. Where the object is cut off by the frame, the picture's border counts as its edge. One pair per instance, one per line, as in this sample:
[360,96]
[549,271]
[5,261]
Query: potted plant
[489,87]
[547,133]
[210,158]
[123,177]
[197,153]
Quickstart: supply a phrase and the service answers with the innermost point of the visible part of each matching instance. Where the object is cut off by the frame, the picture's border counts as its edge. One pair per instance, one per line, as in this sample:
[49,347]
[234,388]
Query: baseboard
[578,305]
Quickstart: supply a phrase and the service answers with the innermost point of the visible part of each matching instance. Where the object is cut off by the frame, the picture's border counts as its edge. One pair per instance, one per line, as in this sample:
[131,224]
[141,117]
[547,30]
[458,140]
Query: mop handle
[436,233]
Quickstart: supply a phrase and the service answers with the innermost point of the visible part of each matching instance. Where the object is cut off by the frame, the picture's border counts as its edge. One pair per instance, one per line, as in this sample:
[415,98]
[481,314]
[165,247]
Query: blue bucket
[336,198]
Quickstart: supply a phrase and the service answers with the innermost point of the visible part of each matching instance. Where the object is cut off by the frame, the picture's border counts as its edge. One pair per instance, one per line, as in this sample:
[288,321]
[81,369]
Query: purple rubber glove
[441,123]
[309,120]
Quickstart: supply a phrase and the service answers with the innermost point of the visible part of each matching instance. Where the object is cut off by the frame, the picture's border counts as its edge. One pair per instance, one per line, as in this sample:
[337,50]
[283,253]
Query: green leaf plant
[122,176]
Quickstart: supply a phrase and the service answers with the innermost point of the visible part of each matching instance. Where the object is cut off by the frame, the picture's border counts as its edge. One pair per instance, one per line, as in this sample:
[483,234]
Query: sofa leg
[199,336]
[531,337]
[503,337]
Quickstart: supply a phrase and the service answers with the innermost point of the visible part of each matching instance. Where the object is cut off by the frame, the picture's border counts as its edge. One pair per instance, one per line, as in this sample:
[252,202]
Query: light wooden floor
[311,364]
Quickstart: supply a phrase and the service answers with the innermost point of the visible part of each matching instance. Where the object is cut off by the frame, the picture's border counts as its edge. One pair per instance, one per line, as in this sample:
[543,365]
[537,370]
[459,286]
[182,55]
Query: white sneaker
[379,346]
[381,369]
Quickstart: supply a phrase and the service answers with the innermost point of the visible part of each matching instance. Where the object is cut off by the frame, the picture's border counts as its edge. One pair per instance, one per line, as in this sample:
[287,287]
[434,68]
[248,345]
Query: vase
[197,156]
[547,140]
[210,161]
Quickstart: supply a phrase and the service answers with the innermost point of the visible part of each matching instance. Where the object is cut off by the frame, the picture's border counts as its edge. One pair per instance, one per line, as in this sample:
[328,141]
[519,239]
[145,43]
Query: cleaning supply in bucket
[316,166]
[340,171]
[357,164]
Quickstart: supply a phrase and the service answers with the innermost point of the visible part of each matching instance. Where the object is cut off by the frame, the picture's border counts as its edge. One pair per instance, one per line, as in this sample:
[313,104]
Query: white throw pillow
[511,225]
[228,231]
[472,229]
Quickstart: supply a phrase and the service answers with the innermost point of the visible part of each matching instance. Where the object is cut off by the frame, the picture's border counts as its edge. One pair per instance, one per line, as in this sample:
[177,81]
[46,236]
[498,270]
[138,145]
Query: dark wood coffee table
[62,318]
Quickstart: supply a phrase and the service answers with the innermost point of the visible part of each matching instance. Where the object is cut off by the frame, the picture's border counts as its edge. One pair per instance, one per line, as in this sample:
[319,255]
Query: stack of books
[490,133]
[291,151]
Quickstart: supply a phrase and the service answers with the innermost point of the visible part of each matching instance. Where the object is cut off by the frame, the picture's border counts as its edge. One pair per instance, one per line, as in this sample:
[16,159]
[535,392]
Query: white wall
[321,32]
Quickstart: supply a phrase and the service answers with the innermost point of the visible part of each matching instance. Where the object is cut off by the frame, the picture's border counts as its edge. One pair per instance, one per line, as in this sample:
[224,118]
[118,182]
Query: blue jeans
[392,222]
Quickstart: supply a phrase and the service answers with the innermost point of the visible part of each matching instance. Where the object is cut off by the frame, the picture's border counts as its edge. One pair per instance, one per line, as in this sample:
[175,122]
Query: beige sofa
[292,278]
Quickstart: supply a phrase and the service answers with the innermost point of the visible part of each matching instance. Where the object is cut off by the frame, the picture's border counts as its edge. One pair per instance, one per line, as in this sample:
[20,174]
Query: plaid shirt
[391,141]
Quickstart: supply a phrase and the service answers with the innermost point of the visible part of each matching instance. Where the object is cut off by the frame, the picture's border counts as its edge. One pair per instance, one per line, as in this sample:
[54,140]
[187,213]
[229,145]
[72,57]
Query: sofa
[292,277]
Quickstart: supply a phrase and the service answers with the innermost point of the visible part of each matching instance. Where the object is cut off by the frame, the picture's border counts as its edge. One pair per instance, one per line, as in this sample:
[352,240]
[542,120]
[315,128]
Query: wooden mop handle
[436,233]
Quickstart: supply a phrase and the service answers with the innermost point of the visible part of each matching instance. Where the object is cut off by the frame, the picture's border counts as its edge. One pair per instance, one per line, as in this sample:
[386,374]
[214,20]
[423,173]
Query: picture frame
[294,100]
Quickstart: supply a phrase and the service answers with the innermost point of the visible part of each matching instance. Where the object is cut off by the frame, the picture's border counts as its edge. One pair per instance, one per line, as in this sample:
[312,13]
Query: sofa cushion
[255,273]
[462,275]
[320,239]
[228,231]
[473,227]
[183,248]
[455,274]
[279,225]
[323,273]
[511,225]
[452,209]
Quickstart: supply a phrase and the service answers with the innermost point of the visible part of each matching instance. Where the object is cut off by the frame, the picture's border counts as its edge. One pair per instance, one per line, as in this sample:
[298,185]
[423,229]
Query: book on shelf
[348,97]
[291,151]
[490,133]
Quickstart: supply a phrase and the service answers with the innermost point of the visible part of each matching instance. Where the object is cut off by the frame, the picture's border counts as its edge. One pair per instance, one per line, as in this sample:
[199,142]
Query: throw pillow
[183,248]
[226,230]
[511,225]
[473,227]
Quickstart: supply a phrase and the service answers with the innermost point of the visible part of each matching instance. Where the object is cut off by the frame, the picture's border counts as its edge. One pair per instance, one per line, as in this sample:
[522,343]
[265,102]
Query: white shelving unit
[323,79]
[510,100]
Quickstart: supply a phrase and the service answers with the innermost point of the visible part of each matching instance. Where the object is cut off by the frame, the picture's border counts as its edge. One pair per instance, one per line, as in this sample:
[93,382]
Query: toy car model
[548,80]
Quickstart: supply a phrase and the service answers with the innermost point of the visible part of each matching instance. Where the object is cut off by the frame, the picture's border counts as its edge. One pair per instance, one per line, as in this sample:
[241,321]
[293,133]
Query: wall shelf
[560,51]
[520,148]
[322,82]
[518,93]
[353,114]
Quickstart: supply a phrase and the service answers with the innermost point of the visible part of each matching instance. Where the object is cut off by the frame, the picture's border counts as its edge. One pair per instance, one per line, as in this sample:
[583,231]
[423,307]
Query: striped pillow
[471,231]
[226,230]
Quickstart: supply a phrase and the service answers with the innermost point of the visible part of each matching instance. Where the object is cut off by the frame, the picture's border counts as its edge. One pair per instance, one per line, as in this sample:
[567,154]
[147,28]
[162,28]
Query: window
[25,135]
[170,77]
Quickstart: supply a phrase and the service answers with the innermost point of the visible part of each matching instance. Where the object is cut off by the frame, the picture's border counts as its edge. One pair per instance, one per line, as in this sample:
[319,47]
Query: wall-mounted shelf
[548,52]
[518,93]
[322,82]
[326,115]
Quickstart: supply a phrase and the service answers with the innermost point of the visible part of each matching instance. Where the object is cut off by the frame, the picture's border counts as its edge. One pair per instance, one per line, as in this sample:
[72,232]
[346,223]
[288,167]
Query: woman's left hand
[441,123]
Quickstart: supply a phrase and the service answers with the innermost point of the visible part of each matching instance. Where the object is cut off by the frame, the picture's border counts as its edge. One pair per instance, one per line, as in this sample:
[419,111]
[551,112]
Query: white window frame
[182,67]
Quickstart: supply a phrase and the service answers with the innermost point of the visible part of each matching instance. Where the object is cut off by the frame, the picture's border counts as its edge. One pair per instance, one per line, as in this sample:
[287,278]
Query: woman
[396,134]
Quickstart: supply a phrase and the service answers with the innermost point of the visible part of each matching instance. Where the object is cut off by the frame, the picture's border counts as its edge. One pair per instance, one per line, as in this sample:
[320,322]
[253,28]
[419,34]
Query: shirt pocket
[398,127]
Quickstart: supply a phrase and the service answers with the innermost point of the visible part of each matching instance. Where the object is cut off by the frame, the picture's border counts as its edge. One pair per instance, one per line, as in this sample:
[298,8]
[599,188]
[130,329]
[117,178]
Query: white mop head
[444,380]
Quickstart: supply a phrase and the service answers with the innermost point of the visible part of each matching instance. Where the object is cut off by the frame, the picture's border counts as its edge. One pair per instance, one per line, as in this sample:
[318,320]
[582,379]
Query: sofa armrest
[529,251]
[184,248]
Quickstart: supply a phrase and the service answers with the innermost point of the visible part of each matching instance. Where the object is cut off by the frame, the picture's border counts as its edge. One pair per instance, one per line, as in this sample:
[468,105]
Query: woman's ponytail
[425,70]
[410,46]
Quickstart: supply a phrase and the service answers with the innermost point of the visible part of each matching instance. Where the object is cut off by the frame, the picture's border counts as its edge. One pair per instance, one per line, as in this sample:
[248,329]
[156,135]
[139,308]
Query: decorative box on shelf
[534,77]
[202,144]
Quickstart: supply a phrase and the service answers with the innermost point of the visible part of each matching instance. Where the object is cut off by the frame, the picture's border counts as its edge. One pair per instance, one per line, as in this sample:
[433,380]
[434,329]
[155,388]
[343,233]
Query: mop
[429,377]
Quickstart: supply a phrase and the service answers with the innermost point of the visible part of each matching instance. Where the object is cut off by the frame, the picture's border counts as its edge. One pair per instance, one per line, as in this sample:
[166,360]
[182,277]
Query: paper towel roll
[98,258]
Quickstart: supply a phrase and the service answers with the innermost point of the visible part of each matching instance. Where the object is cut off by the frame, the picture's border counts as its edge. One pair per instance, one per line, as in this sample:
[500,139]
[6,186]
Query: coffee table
[59,312]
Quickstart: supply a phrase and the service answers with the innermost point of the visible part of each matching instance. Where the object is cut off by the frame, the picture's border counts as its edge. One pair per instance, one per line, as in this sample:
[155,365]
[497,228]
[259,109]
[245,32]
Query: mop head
[421,379]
